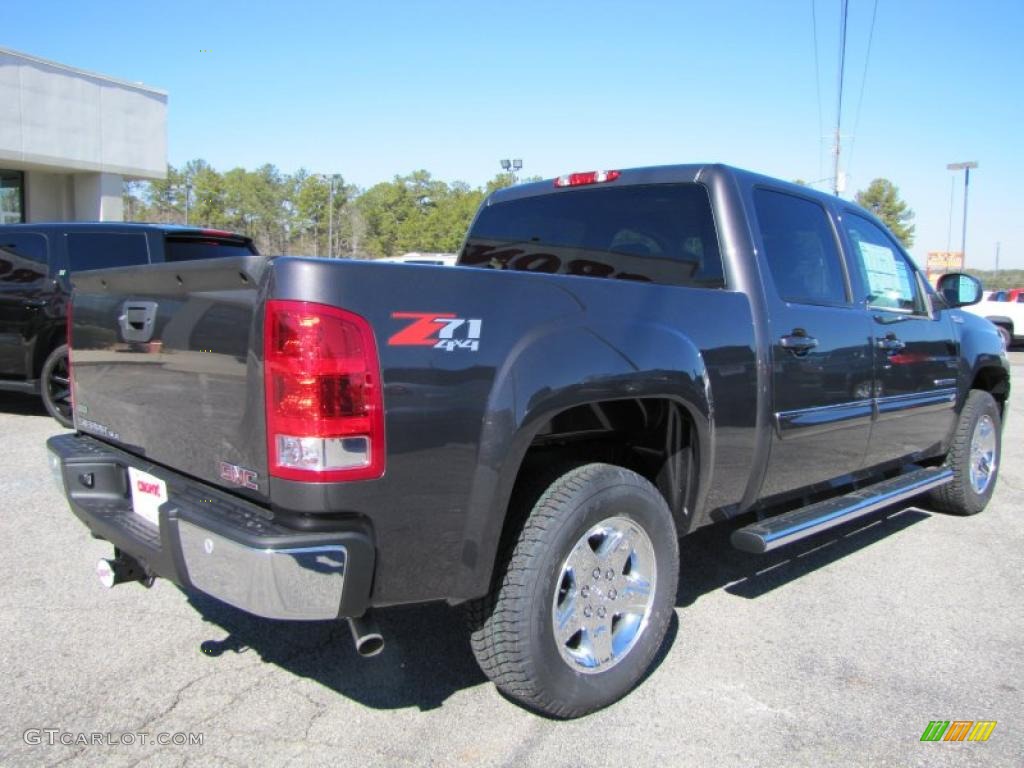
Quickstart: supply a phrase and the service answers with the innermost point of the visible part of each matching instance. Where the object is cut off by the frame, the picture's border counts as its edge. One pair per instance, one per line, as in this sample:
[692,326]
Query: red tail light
[325,409]
[591,177]
[71,377]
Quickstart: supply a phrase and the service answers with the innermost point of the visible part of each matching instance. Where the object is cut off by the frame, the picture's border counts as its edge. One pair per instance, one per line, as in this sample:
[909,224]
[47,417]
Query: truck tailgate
[162,366]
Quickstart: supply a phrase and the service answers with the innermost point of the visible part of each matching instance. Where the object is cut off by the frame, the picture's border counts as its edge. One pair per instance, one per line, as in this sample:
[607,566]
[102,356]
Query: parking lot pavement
[837,651]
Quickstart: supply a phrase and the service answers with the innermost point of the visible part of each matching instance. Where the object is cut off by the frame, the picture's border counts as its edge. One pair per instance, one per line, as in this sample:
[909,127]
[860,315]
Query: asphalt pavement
[835,651]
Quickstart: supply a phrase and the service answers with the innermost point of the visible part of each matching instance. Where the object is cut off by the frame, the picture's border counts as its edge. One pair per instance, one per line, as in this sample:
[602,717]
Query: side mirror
[959,289]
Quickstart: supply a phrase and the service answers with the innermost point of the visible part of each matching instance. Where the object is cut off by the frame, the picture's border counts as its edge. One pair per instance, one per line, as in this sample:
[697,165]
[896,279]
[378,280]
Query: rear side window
[96,250]
[800,248]
[178,248]
[660,233]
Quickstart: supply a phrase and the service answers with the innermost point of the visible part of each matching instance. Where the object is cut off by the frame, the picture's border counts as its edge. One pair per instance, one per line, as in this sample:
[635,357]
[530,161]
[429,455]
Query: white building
[69,139]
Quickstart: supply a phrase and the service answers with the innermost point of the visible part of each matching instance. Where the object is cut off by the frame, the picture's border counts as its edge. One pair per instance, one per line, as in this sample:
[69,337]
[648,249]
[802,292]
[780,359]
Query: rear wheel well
[654,437]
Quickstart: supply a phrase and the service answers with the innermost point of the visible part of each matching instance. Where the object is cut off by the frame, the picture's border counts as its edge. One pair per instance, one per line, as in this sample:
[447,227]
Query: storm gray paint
[458,423]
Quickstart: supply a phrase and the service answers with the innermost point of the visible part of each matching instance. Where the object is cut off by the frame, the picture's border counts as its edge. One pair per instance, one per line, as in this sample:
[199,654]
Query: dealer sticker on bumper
[148,493]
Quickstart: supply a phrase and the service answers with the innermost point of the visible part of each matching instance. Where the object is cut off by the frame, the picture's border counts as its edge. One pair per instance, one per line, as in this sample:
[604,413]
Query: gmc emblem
[240,476]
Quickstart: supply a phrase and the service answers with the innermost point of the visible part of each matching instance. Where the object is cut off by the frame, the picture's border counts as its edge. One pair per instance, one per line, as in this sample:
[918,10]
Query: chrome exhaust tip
[120,569]
[366,635]
[107,573]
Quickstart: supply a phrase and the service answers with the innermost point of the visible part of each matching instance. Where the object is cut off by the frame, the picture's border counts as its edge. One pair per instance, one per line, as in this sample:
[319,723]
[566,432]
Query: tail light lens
[71,373]
[325,410]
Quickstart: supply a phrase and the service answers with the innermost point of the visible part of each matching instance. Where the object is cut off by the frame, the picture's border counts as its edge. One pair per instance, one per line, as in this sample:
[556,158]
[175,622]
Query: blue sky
[371,90]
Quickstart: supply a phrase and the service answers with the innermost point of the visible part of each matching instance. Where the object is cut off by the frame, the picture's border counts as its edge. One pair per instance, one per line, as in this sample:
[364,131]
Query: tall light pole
[330,217]
[966,168]
[188,193]
[512,166]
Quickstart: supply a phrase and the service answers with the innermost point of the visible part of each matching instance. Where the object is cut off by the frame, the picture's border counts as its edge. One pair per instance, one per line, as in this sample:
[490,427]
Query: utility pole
[952,194]
[997,258]
[837,186]
[966,168]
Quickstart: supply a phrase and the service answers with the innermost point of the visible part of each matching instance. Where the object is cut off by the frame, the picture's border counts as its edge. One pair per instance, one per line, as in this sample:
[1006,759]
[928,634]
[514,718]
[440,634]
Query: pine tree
[882,198]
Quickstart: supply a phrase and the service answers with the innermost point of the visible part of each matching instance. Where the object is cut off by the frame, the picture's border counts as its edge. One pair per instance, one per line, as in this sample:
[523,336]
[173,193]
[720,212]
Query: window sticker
[890,281]
[882,269]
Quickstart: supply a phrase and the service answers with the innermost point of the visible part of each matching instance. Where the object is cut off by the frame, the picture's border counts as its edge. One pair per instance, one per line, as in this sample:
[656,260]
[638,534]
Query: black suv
[36,262]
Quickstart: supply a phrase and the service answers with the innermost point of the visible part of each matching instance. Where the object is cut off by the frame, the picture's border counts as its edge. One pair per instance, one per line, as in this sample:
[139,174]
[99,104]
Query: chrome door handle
[798,343]
[890,344]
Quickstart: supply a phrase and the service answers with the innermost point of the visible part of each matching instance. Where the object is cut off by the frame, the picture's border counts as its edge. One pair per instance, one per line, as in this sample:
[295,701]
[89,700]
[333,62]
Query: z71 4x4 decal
[439,330]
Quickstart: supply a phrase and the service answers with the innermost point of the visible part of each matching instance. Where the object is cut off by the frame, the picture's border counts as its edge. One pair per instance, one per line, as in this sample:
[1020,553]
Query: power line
[817,85]
[863,82]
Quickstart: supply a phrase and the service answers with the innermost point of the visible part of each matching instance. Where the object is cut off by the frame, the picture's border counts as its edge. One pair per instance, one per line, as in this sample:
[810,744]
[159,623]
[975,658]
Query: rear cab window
[195,247]
[104,250]
[659,233]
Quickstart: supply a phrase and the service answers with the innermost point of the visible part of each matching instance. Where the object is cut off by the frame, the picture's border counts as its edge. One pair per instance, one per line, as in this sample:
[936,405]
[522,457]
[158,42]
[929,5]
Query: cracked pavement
[836,651]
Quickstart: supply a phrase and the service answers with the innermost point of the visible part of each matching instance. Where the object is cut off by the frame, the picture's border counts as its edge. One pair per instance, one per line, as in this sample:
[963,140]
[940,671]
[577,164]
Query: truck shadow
[427,657]
[709,562]
[18,404]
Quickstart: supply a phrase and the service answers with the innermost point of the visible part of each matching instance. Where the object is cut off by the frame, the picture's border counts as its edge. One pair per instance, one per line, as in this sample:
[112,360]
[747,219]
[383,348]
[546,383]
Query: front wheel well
[996,382]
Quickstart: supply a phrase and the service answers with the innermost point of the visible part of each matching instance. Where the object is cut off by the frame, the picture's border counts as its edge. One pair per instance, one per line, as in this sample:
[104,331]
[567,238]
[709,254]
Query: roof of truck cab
[657,174]
[107,226]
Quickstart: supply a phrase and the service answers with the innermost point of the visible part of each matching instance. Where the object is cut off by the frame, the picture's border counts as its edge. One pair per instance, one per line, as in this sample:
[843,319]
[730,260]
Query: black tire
[55,386]
[1006,335]
[513,628]
[962,496]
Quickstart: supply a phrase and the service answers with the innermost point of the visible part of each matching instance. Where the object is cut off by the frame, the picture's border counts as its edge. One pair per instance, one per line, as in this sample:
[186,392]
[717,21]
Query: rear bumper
[215,542]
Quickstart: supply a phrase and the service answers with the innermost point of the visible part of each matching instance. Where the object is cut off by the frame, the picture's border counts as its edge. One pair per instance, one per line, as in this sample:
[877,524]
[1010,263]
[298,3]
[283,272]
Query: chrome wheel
[603,598]
[983,459]
[58,386]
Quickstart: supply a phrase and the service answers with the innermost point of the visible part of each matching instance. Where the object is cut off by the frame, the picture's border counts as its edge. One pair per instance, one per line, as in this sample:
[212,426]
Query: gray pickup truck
[619,359]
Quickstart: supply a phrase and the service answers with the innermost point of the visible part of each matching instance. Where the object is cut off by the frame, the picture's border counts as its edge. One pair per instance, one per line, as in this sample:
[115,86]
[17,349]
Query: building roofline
[138,86]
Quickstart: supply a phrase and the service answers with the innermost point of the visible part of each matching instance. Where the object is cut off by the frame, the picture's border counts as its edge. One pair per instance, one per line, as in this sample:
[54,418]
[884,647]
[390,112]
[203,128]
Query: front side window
[660,233]
[96,250]
[890,279]
[22,257]
[800,248]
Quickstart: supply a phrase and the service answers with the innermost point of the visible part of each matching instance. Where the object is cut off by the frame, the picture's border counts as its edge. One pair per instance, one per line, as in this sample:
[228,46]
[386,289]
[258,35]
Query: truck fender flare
[539,380]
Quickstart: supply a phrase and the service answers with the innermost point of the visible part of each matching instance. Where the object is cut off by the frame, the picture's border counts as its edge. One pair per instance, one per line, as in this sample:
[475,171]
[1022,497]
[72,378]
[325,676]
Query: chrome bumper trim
[297,583]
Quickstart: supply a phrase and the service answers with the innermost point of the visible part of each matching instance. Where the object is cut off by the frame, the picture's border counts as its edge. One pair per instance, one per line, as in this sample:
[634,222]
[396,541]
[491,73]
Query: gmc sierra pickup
[619,359]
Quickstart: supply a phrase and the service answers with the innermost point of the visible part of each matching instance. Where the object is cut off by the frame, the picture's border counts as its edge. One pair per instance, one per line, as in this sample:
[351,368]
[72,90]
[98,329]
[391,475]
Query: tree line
[317,215]
[313,214]
[997,280]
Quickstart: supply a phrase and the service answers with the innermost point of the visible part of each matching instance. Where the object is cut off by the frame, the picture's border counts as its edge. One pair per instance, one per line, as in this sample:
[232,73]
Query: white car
[1007,316]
